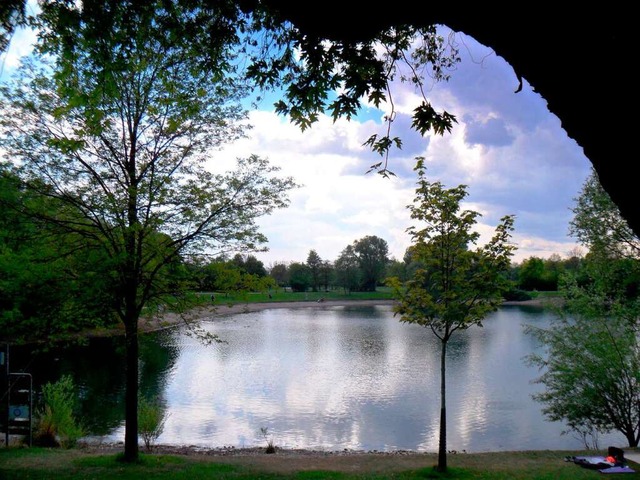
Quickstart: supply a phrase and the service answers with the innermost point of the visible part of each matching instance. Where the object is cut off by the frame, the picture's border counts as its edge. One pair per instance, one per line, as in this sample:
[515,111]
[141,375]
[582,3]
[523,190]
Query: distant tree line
[49,289]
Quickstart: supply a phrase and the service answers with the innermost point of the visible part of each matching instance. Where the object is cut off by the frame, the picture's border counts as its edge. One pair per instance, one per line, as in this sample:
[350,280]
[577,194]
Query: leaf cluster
[339,77]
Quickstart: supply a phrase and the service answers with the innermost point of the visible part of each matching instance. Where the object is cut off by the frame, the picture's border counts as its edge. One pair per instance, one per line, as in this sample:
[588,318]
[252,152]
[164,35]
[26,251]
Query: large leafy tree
[455,287]
[347,269]
[373,255]
[115,121]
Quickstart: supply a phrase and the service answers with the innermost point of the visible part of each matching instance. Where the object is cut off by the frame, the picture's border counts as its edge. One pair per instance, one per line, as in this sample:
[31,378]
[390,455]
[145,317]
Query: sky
[507,148]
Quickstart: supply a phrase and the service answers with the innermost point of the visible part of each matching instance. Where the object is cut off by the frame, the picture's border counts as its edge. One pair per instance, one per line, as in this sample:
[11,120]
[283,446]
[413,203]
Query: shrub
[151,420]
[55,421]
[517,295]
[264,431]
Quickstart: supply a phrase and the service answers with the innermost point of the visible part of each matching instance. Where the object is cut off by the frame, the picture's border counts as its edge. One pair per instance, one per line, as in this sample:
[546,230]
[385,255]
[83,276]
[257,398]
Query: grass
[38,463]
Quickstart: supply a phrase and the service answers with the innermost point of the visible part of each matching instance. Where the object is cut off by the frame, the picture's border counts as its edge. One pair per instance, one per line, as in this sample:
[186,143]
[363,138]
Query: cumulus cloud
[509,150]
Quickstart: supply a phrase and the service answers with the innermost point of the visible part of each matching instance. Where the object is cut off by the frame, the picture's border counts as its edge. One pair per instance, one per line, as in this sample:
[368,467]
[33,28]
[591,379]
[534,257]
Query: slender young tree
[454,287]
[118,120]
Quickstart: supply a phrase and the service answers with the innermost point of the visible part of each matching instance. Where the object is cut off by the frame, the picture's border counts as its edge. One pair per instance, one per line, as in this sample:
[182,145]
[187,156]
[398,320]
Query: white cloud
[507,148]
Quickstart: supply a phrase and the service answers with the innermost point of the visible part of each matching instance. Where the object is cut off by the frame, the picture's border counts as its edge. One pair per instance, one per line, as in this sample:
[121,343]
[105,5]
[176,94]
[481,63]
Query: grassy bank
[281,295]
[37,463]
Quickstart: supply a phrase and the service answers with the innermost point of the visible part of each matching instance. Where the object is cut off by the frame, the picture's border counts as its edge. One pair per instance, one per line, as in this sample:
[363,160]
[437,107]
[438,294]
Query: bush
[264,431]
[55,422]
[517,295]
[151,420]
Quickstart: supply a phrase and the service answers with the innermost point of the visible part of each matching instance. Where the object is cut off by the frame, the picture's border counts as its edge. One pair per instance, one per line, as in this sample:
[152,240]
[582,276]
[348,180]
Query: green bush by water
[55,423]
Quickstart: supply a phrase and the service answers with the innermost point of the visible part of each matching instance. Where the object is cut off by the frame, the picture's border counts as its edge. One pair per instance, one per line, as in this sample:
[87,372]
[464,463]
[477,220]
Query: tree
[280,274]
[314,262]
[249,264]
[45,293]
[591,365]
[299,277]
[372,253]
[532,275]
[455,287]
[591,361]
[326,274]
[598,225]
[347,269]
[118,129]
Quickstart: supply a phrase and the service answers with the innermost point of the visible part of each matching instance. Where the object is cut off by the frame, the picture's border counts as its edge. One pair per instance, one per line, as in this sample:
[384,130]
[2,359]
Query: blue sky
[509,150]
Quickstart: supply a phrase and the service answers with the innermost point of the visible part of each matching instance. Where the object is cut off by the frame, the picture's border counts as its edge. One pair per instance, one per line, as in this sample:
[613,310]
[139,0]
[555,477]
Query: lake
[326,377]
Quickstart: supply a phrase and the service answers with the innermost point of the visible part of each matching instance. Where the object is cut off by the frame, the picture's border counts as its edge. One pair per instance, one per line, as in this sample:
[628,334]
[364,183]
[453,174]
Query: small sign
[18,412]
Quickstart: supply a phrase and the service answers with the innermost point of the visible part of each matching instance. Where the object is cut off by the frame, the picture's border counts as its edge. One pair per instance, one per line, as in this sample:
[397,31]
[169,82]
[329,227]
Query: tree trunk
[131,393]
[442,446]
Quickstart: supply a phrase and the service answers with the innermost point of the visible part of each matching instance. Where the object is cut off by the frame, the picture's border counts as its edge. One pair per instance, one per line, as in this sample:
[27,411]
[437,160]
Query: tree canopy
[116,119]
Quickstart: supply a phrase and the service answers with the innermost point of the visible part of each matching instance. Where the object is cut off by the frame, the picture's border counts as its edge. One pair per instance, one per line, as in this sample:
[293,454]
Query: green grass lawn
[38,463]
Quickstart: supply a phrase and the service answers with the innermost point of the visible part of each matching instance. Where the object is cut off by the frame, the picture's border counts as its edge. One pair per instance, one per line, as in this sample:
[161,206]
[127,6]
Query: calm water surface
[330,378]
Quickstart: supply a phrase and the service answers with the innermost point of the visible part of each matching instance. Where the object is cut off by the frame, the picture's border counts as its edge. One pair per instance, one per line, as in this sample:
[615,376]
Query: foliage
[299,277]
[337,76]
[43,292]
[372,253]
[55,420]
[591,365]
[598,225]
[326,275]
[151,420]
[347,270]
[249,264]
[314,262]
[535,274]
[517,295]
[455,287]
[280,273]
[316,74]
[115,121]
[13,14]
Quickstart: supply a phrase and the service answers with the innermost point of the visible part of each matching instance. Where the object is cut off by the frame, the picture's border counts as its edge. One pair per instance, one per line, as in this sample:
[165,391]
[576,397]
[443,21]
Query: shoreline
[149,324]
[210,312]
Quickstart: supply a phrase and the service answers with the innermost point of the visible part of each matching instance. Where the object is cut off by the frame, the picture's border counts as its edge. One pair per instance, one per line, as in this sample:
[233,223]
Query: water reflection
[329,378]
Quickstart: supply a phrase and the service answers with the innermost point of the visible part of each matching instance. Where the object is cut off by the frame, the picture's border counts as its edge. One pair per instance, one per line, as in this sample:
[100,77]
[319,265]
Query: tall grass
[56,424]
